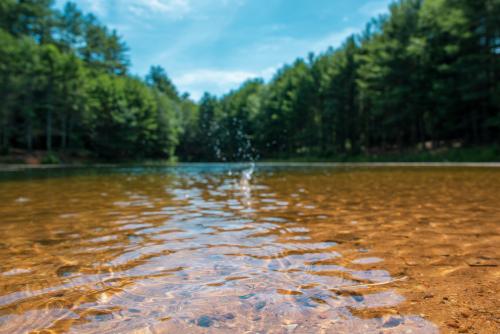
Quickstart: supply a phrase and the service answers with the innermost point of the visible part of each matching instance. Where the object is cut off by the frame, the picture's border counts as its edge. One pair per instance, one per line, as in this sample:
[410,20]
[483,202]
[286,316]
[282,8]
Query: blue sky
[215,45]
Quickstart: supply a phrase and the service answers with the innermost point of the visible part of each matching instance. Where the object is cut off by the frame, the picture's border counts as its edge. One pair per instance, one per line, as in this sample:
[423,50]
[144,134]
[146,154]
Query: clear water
[241,248]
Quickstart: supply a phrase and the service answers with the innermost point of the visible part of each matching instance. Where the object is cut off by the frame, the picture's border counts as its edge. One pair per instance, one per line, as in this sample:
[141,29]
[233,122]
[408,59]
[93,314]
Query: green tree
[158,79]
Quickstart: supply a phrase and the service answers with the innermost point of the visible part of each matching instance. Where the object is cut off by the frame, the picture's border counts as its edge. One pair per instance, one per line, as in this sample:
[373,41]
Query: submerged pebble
[229,316]
[250,295]
[306,301]
[205,321]
[260,305]
[134,310]
[103,317]
[358,298]
[393,322]
[66,271]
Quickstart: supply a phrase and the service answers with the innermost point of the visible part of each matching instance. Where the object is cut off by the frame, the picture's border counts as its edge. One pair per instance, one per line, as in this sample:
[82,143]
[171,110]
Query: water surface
[232,248]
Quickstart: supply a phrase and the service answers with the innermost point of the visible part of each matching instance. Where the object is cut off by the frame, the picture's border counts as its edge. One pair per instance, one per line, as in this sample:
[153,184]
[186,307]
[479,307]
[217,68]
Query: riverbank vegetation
[423,79]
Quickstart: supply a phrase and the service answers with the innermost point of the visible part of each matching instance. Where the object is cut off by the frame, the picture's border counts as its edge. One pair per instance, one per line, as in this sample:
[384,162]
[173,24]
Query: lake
[241,248]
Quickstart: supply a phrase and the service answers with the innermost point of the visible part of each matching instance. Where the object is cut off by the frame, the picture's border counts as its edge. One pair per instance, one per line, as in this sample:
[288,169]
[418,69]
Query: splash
[246,186]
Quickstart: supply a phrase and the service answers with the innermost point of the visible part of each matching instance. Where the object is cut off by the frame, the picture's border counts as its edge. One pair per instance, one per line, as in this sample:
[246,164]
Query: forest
[424,76]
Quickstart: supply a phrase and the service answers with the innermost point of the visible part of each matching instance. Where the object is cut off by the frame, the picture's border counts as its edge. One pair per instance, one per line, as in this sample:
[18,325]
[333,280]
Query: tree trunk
[474,124]
[421,136]
[49,129]
[29,116]
[5,132]
[29,135]
[64,134]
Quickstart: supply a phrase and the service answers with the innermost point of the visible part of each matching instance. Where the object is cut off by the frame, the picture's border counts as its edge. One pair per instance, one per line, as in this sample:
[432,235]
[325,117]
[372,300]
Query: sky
[215,45]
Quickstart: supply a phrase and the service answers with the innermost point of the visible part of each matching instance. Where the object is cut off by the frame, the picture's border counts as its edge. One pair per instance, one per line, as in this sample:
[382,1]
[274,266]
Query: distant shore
[21,167]
[471,157]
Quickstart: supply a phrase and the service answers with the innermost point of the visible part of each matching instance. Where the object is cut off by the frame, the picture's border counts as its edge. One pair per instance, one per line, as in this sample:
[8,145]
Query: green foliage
[158,79]
[50,159]
[423,78]
[63,86]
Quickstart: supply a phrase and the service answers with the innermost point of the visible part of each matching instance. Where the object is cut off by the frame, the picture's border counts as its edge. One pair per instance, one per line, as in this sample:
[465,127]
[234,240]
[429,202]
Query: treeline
[425,75]
[64,86]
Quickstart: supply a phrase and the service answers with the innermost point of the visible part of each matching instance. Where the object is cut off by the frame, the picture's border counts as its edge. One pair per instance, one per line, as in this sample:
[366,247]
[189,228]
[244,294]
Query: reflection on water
[228,249]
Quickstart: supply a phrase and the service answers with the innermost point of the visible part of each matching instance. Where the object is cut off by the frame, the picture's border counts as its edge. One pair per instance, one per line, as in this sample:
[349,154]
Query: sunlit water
[235,248]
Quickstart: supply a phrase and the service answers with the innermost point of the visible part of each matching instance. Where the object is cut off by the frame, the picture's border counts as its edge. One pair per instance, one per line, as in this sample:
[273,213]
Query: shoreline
[4,167]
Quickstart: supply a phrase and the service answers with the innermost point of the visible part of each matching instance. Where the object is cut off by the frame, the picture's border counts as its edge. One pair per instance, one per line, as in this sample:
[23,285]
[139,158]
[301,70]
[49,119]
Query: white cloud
[142,8]
[97,7]
[217,76]
[165,5]
[288,48]
[332,40]
[176,8]
[375,8]
[217,81]
[220,81]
